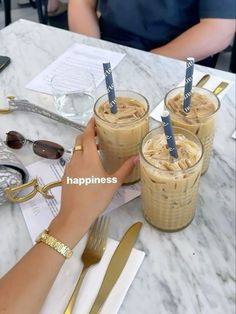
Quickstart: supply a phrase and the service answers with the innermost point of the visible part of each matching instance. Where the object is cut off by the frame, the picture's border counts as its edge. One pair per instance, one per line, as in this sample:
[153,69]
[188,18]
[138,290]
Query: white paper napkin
[67,278]
[210,84]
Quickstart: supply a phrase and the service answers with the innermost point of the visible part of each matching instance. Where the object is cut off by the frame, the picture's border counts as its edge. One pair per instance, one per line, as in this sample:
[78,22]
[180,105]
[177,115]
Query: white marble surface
[189,272]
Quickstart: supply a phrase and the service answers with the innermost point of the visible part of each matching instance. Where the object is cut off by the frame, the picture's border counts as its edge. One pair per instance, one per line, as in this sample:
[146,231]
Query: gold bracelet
[57,245]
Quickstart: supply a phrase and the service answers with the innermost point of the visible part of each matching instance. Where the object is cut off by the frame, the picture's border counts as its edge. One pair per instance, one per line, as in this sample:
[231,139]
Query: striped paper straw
[110,86]
[165,117]
[188,84]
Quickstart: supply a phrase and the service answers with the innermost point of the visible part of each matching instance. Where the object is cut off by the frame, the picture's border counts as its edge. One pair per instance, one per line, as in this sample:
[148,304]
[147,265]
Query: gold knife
[219,88]
[116,265]
[203,80]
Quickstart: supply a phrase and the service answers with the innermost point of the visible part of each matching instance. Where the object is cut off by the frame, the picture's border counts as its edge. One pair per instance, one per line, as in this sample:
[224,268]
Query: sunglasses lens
[15,140]
[48,149]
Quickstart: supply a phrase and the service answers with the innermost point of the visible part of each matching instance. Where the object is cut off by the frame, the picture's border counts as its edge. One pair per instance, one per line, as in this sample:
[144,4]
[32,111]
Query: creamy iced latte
[169,186]
[199,120]
[120,134]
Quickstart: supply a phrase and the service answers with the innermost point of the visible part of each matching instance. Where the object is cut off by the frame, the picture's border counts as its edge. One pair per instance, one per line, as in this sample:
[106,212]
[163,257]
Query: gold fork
[92,254]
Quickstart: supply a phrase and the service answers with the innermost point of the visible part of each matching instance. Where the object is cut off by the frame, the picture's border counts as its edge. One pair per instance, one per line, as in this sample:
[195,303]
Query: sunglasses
[42,148]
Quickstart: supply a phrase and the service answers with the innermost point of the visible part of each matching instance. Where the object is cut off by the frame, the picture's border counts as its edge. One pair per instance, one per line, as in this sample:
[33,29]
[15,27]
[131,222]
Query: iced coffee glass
[169,186]
[200,119]
[120,134]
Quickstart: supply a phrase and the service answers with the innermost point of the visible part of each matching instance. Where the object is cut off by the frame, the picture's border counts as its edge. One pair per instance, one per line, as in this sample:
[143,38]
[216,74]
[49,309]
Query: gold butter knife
[203,80]
[219,88]
[116,265]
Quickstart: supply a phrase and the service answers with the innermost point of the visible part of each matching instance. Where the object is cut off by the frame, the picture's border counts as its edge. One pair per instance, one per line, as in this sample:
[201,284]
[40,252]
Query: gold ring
[78,148]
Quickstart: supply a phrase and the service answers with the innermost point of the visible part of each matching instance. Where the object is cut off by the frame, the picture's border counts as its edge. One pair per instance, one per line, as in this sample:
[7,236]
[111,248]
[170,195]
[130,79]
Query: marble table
[188,272]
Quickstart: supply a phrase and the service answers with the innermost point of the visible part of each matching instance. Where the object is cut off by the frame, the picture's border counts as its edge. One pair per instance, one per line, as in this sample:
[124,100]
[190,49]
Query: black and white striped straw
[188,84]
[110,86]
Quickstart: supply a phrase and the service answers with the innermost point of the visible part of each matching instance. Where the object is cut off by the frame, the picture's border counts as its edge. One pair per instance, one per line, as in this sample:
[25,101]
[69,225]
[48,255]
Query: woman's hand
[33,276]
[81,204]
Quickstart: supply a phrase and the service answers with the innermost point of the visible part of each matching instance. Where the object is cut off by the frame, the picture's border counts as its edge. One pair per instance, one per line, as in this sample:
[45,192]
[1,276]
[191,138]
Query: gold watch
[57,245]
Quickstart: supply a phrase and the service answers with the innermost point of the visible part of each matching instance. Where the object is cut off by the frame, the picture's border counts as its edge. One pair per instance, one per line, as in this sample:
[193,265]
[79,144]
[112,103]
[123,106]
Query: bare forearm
[18,292]
[82,17]
[25,287]
[200,41]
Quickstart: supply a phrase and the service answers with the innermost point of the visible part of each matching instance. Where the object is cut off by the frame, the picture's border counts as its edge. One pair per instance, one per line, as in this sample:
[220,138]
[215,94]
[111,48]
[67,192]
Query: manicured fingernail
[136,160]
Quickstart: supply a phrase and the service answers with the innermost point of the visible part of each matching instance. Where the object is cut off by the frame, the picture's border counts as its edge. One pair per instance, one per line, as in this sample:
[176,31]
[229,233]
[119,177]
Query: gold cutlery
[219,88]
[92,254]
[203,80]
[116,265]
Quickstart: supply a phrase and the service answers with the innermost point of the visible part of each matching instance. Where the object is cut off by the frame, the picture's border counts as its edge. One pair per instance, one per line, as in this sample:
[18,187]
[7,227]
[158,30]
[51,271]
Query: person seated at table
[176,29]
[24,288]
[56,7]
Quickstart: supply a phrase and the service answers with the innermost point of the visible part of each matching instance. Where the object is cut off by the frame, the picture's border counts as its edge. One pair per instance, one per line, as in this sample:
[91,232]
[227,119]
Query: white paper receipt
[77,58]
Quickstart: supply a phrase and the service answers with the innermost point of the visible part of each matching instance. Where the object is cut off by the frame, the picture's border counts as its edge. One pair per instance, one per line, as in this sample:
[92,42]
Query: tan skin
[204,39]
[24,288]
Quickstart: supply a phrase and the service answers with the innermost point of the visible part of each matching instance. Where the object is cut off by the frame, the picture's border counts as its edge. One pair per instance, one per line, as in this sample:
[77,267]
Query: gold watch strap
[57,245]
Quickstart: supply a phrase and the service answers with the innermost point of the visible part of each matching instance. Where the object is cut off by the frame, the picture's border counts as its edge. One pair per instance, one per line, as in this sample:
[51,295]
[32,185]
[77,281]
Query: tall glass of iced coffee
[120,134]
[169,186]
[199,120]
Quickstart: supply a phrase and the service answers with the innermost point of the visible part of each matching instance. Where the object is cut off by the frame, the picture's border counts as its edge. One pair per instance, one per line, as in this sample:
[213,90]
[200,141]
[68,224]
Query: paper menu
[78,58]
[38,212]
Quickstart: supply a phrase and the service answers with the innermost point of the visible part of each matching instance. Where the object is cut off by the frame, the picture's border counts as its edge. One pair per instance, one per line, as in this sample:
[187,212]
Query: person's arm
[82,17]
[24,288]
[200,41]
